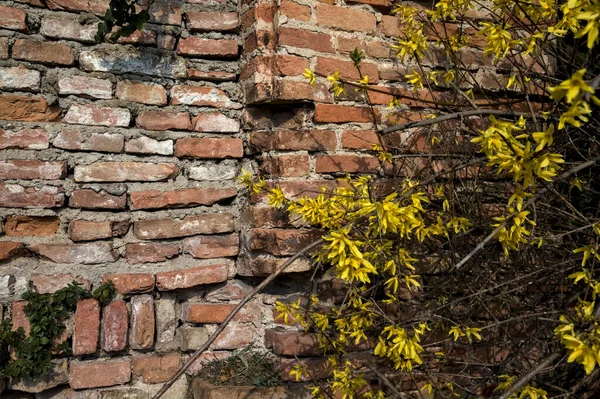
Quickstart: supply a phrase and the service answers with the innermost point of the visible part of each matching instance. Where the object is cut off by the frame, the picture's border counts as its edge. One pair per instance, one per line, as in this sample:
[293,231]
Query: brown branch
[527,377]
[239,307]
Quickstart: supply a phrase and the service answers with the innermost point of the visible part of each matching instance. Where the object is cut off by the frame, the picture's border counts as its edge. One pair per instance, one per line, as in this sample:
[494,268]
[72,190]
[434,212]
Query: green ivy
[124,15]
[46,313]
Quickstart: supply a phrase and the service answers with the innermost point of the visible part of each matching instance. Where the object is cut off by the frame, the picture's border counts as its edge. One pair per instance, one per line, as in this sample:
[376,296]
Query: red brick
[309,140]
[87,327]
[213,246]
[100,373]
[213,122]
[83,230]
[31,226]
[201,96]
[90,199]
[125,171]
[290,65]
[187,278]
[346,164]
[345,18]
[216,76]
[390,25]
[100,142]
[209,148]
[291,90]
[333,113]
[205,312]
[42,52]
[292,343]
[97,7]
[142,321]
[154,369]
[146,37]
[150,252]
[27,109]
[286,165]
[281,241]
[294,10]
[142,92]
[29,139]
[188,226]
[9,250]
[346,45]
[266,217]
[115,322]
[347,70]
[164,120]
[19,318]
[94,115]
[211,21]
[50,283]
[32,169]
[86,86]
[207,48]
[147,145]
[359,139]
[131,283]
[305,39]
[155,199]
[3,48]
[85,254]
[379,50]
[12,18]
[15,196]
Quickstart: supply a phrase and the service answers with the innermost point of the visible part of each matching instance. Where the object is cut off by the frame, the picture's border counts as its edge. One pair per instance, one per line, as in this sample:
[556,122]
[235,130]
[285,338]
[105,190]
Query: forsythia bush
[382,246]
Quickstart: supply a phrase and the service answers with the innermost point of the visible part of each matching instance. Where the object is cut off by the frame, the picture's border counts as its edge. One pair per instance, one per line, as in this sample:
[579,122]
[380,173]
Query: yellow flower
[310,75]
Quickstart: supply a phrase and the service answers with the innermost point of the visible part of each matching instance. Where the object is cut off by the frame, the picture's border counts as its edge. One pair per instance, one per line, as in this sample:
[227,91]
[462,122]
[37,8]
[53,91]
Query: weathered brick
[3,48]
[213,246]
[27,109]
[209,148]
[28,139]
[165,12]
[164,120]
[306,39]
[31,169]
[334,113]
[125,171]
[19,318]
[101,142]
[9,250]
[115,322]
[58,27]
[292,343]
[92,114]
[345,18]
[236,336]
[146,145]
[97,7]
[205,312]
[213,122]
[390,25]
[142,322]
[150,252]
[309,140]
[213,76]
[166,322]
[188,226]
[50,283]
[290,65]
[86,86]
[43,52]
[347,70]
[142,92]
[294,10]
[13,18]
[58,374]
[83,230]
[346,164]
[91,199]
[232,290]
[281,241]
[146,37]
[19,78]
[86,254]
[286,165]
[201,96]
[87,327]
[291,90]
[187,278]
[192,338]
[155,199]
[145,61]
[154,369]
[15,196]
[131,283]
[225,170]
[211,21]
[207,48]
[31,226]
[100,373]
[359,139]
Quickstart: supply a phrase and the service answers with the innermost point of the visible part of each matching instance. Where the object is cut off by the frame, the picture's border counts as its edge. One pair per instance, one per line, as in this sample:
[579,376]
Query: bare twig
[527,377]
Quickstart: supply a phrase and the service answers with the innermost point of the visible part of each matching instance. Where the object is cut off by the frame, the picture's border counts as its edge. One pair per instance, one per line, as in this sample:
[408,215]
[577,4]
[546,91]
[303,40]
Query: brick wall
[119,161]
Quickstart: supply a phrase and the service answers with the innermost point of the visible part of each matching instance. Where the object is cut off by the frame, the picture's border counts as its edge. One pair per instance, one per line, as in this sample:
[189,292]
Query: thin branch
[239,307]
[527,377]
